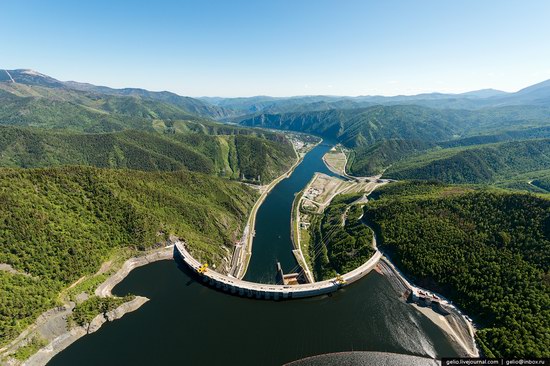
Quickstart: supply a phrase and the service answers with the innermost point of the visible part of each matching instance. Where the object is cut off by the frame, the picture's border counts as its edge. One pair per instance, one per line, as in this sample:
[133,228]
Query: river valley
[186,322]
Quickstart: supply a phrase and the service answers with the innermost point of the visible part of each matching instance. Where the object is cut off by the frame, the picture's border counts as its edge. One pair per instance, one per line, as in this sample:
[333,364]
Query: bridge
[268,291]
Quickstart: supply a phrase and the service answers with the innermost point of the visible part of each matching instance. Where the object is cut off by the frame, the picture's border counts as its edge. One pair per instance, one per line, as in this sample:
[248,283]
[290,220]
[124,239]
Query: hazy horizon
[281,96]
[283,48]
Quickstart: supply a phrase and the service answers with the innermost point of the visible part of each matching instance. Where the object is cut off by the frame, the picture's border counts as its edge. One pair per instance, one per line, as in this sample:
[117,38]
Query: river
[272,241]
[188,323]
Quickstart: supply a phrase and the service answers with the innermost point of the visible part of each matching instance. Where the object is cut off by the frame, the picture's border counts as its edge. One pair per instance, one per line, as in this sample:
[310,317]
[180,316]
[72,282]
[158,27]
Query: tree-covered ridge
[475,164]
[340,241]
[384,135]
[362,127]
[488,251]
[374,159]
[59,224]
[502,136]
[226,155]
[65,115]
[128,101]
[66,109]
[31,148]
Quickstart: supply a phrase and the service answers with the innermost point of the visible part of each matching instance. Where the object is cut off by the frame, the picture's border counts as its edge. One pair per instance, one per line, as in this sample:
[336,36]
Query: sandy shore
[52,324]
[455,325]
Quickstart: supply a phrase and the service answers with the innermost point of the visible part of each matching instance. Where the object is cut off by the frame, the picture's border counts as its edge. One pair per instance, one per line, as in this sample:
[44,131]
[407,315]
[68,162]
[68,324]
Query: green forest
[418,142]
[58,107]
[487,250]
[486,163]
[87,171]
[106,169]
[44,122]
[59,224]
[375,159]
[337,248]
[362,127]
[87,310]
[227,155]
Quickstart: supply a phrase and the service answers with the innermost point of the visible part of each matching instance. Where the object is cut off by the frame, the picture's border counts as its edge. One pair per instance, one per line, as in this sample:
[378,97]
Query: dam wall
[274,292]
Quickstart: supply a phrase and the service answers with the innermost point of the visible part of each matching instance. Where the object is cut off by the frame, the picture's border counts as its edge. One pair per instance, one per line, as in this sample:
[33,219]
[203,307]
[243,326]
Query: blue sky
[282,47]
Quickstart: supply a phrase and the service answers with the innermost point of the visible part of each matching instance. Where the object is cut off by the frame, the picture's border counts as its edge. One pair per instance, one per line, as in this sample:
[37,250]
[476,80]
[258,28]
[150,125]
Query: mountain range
[90,173]
[378,131]
[233,108]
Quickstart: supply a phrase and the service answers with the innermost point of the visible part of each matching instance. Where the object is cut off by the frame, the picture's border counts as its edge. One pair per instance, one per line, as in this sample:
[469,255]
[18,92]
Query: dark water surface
[272,241]
[187,323]
[365,359]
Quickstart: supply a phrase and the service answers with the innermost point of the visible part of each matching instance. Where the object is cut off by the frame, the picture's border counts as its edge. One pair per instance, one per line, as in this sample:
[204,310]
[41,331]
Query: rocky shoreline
[54,321]
[106,287]
[58,344]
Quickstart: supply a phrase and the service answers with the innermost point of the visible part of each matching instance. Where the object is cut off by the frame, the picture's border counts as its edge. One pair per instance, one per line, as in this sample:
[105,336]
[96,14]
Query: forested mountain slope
[360,127]
[29,83]
[475,164]
[233,156]
[56,108]
[376,158]
[340,242]
[366,126]
[488,251]
[59,224]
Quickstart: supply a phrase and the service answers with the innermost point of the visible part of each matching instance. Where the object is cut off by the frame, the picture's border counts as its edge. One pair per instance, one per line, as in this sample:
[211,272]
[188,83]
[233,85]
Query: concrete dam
[270,291]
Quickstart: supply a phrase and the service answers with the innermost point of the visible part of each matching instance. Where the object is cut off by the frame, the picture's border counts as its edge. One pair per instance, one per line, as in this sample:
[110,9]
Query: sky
[236,48]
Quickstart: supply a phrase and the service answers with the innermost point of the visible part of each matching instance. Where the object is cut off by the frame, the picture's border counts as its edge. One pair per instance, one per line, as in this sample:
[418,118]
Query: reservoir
[188,323]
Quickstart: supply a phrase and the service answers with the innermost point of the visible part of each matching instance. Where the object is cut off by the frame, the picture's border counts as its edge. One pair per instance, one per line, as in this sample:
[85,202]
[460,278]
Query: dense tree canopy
[59,224]
[340,240]
[228,155]
[488,251]
[476,164]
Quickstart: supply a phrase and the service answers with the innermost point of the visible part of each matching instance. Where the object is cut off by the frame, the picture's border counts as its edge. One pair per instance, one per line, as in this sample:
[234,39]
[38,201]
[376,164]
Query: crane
[340,280]
[203,268]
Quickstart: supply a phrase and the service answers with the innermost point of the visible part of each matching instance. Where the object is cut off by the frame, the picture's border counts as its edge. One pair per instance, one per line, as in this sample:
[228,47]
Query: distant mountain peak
[31,72]
[532,88]
[30,77]
[484,93]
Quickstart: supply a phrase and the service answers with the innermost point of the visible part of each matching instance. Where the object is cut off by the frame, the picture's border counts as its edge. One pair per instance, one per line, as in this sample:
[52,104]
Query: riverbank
[243,251]
[297,240]
[52,326]
[455,324]
[336,161]
[312,201]
[106,287]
